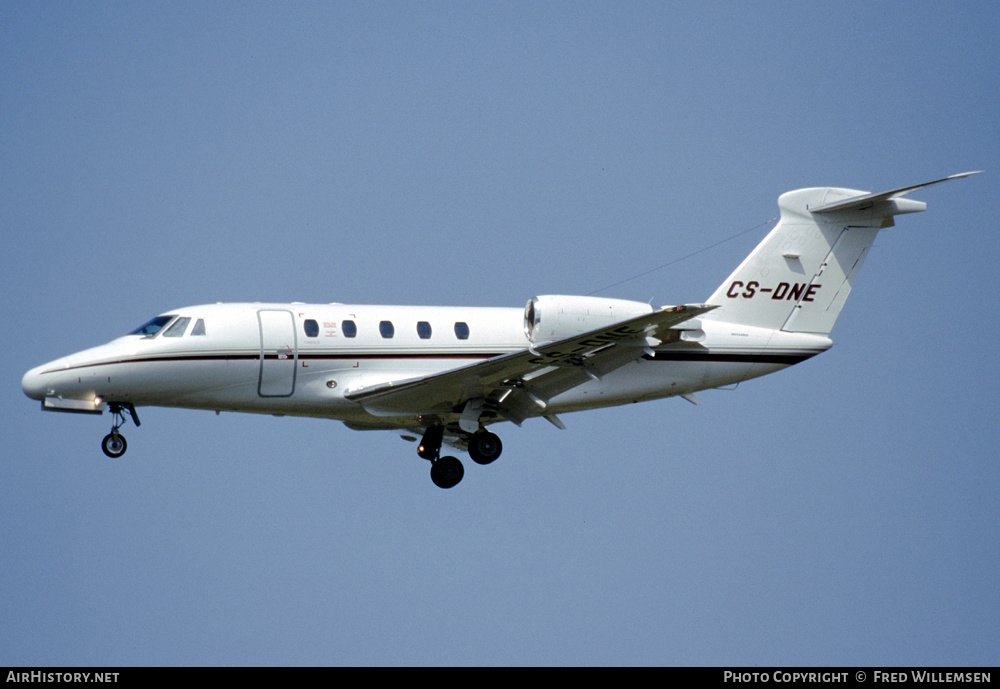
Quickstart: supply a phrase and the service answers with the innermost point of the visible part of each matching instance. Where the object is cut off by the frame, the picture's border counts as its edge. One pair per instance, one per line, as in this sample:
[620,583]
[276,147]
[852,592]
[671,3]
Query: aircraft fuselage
[300,359]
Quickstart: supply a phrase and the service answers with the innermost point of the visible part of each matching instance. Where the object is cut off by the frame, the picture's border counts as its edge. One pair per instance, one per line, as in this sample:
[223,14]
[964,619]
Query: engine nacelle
[551,317]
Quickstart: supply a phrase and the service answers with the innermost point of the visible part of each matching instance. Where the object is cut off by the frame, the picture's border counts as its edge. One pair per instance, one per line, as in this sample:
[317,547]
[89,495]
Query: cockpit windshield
[152,327]
[177,328]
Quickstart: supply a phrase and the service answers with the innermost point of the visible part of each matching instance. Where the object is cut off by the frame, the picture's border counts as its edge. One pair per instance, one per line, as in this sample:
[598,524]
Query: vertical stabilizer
[800,275]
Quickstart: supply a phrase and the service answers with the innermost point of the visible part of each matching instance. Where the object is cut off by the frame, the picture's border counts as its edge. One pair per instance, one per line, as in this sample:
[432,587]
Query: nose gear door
[278,353]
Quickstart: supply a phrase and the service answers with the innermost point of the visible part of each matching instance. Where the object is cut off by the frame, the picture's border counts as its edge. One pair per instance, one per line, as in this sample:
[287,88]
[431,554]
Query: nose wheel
[114,444]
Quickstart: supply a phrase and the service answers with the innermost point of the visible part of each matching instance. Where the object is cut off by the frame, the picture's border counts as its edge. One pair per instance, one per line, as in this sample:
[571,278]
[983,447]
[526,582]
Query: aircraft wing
[518,385]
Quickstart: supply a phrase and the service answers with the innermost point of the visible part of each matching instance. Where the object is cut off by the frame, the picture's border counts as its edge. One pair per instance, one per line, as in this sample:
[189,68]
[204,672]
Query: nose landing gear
[114,444]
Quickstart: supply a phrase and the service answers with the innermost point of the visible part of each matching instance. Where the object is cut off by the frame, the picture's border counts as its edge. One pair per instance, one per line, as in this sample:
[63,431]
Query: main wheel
[114,445]
[446,472]
[484,447]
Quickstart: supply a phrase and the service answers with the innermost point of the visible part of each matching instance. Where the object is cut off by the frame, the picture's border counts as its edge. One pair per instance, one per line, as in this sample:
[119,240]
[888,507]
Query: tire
[446,472]
[484,447]
[114,445]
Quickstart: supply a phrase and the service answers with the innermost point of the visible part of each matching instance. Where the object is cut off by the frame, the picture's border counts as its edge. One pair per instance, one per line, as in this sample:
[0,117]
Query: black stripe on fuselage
[679,356]
[280,357]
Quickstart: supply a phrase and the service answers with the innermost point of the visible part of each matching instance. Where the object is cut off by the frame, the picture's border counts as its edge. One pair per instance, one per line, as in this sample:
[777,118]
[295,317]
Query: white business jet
[443,375]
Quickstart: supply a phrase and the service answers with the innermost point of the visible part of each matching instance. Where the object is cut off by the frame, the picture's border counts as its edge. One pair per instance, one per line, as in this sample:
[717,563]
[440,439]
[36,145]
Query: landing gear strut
[114,444]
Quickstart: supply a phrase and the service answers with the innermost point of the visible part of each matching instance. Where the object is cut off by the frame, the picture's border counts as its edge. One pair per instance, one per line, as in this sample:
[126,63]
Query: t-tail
[799,276]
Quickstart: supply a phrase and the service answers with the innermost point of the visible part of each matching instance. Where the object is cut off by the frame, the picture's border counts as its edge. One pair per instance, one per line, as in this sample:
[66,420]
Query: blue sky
[842,512]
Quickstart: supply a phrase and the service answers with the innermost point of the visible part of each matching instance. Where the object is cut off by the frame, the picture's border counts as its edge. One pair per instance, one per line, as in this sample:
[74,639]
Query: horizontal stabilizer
[891,200]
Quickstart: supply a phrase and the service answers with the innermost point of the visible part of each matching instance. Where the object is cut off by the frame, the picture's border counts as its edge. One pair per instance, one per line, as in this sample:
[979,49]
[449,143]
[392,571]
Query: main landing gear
[446,472]
[114,444]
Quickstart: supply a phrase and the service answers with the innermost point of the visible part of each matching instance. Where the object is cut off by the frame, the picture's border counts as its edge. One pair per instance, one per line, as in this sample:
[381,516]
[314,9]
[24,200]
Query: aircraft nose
[33,385]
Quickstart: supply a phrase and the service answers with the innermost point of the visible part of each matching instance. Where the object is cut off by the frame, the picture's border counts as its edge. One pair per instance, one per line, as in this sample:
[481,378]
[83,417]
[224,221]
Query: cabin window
[152,327]
[462,330]
[349,328]
[311,327]
[424,330]
[177,328]
[386,330]
[199,327]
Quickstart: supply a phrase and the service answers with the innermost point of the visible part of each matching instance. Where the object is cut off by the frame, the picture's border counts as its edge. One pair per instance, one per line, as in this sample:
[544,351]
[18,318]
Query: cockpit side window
[199,327]
[152,327]
[177,328]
